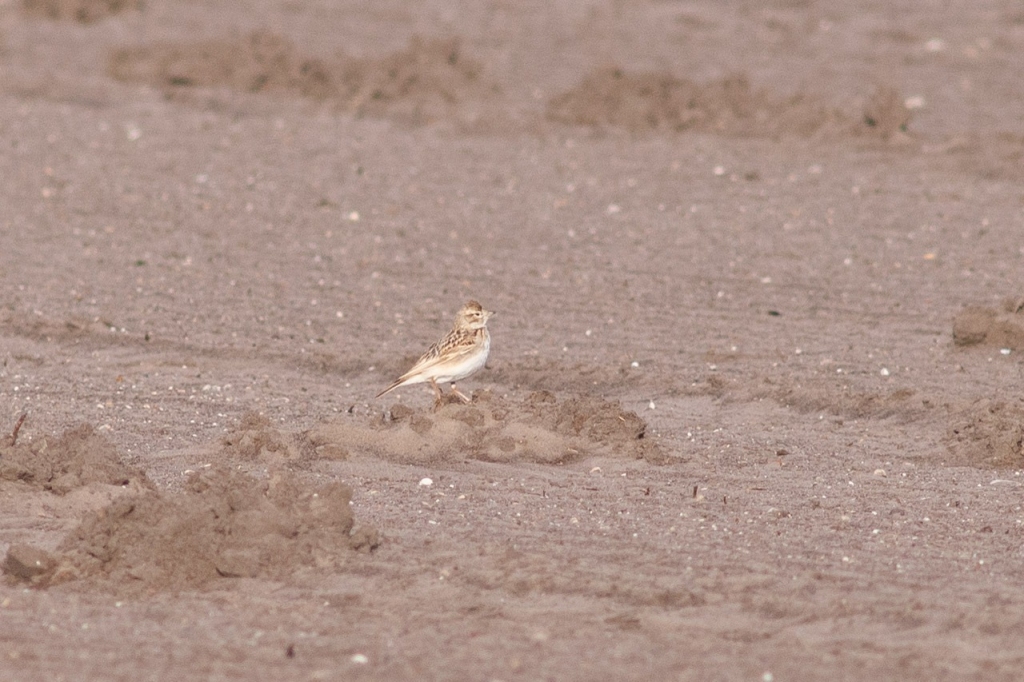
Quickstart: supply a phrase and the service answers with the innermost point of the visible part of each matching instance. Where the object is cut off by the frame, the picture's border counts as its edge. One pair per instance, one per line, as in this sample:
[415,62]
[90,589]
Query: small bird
[459,354]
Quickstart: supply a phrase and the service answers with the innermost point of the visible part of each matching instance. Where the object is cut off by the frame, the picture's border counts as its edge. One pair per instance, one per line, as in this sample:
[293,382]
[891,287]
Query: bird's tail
[390,388]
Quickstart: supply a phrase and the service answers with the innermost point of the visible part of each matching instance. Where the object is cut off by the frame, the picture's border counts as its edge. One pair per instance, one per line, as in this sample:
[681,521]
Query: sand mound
[730,106]
[84,11]
[986,326]
[810,398]
[78,457]
[74,329]
[256,439]
[989,434]
[538,428]
[225,524]
[425,82]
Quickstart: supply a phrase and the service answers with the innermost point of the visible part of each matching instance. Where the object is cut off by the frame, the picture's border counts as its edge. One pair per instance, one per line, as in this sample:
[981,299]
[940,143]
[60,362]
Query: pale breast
[467,365]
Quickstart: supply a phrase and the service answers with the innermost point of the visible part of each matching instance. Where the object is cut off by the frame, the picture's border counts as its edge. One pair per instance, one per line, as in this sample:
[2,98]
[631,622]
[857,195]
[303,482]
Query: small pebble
[880,472]
[426,482]
[361,659]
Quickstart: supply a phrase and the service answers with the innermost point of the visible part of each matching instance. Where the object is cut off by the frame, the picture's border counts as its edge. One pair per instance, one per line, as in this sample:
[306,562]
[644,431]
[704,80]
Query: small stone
[26,562]
[972,325]
[364,539]
[400,412]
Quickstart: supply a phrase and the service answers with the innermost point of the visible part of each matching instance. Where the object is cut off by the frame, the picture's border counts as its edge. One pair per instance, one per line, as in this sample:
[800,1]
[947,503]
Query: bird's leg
[437,394]
[462,396]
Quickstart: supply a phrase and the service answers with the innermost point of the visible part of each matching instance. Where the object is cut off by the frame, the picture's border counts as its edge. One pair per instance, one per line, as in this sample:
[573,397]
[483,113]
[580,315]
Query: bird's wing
[458,343]
[454,345]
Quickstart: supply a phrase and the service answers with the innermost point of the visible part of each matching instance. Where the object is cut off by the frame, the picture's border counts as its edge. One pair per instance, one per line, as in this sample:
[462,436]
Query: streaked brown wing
[458,343]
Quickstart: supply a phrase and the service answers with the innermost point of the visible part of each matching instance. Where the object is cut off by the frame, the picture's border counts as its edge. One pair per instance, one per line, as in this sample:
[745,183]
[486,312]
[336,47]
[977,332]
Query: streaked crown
[473,316]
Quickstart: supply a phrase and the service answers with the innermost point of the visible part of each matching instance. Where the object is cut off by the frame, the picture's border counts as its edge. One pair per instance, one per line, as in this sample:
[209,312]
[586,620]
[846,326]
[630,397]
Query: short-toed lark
[459,354]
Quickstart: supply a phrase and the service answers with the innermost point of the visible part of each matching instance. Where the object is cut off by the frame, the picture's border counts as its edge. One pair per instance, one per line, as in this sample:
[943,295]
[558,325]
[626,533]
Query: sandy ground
[753,409]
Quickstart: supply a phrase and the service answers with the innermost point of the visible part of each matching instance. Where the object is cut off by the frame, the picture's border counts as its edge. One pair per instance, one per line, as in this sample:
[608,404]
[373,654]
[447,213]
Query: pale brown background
[213,209]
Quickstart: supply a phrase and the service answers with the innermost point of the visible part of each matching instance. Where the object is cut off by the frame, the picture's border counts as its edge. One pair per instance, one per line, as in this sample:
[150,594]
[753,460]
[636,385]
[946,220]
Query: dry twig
[17,427]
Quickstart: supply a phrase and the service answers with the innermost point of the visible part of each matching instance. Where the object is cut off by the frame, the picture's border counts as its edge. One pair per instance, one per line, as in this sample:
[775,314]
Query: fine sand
[753,409]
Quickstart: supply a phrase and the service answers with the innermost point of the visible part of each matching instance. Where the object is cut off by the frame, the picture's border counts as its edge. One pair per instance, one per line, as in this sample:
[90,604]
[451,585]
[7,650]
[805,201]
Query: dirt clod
[425,82]
[537,428]
[225,524]
[27,563]
[83,11]
[977,325]
[76,458]
[657,101]
[988,434]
